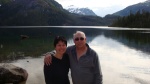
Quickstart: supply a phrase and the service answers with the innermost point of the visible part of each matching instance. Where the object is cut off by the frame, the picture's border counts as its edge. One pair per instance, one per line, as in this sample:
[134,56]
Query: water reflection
[120,64]
[133,39]
[40,39]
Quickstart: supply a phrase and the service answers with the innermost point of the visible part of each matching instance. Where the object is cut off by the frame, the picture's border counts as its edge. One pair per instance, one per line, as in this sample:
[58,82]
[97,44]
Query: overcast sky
[100,7]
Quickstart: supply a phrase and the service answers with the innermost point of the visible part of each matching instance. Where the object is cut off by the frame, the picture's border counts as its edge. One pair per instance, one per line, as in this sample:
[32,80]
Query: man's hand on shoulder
[48,59]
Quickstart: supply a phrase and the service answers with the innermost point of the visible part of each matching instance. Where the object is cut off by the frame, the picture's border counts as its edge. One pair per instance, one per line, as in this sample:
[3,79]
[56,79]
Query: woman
[57,72]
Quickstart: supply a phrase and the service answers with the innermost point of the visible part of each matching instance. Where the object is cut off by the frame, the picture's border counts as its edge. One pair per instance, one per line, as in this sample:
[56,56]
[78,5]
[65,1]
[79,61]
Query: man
[84,62]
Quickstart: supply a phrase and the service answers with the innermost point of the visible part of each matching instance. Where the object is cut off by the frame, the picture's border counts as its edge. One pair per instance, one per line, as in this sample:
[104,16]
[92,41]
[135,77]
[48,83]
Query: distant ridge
[143,6]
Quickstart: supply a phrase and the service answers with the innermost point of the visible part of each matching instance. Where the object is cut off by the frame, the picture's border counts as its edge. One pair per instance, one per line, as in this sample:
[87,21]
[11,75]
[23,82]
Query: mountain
[43,13]
[80,11]
[31,12]
[144,6]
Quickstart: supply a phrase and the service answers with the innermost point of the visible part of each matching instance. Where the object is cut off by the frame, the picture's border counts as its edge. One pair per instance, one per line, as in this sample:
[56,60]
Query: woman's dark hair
[59,38]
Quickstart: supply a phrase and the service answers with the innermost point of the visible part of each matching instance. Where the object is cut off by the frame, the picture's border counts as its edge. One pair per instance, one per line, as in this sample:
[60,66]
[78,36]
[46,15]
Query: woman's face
[60,47]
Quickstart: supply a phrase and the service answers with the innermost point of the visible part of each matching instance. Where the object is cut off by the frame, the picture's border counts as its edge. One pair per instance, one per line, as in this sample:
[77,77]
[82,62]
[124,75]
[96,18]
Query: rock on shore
[10,73]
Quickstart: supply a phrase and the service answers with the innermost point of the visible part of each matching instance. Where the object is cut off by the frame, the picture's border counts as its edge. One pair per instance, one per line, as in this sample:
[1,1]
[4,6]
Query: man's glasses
[77,39]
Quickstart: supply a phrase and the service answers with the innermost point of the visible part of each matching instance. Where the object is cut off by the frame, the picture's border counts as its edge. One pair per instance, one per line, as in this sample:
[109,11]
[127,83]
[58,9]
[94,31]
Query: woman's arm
[48,74]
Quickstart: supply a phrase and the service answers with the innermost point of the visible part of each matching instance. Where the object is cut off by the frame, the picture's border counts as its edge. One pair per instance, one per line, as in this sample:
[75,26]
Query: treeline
[139,20]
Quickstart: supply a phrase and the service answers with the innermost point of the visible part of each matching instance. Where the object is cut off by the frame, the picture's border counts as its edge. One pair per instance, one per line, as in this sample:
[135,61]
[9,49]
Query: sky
[100,7]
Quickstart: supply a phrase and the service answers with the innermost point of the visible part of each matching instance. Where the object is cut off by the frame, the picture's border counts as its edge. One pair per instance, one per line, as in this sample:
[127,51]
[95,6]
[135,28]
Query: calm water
[124,56]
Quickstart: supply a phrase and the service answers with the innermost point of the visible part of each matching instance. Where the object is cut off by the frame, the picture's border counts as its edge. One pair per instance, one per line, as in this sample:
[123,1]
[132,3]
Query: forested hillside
[138,20]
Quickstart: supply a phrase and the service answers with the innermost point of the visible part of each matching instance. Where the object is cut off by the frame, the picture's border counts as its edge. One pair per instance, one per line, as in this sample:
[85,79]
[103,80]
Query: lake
[124,53]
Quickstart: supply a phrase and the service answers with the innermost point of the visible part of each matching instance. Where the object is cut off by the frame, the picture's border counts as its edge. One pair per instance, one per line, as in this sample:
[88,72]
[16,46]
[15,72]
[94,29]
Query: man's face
[79,40]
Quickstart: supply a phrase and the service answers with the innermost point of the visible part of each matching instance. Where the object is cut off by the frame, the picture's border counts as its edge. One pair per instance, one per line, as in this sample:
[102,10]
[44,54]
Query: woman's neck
[59,56]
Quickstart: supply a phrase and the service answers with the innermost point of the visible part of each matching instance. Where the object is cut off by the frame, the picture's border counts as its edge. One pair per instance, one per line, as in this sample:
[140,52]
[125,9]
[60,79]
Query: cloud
[102,11]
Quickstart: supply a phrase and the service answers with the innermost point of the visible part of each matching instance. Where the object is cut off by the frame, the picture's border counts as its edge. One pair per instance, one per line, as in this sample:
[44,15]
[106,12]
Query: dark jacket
[57,72]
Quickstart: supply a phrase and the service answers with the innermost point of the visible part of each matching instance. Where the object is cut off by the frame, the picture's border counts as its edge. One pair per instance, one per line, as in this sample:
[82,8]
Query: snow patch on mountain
[81,11]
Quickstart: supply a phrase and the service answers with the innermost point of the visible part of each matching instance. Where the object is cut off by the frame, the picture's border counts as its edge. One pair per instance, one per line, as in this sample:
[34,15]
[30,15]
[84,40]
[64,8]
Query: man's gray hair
[79,32]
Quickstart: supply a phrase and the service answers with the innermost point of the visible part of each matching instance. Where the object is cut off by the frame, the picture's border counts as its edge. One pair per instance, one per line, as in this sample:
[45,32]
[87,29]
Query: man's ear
[73,40]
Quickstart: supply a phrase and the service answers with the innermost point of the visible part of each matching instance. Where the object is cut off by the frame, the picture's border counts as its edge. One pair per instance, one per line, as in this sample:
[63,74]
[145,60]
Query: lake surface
[123,53]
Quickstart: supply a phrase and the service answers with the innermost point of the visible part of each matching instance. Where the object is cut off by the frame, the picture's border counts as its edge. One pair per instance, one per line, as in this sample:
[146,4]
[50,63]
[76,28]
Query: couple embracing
[80,58]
